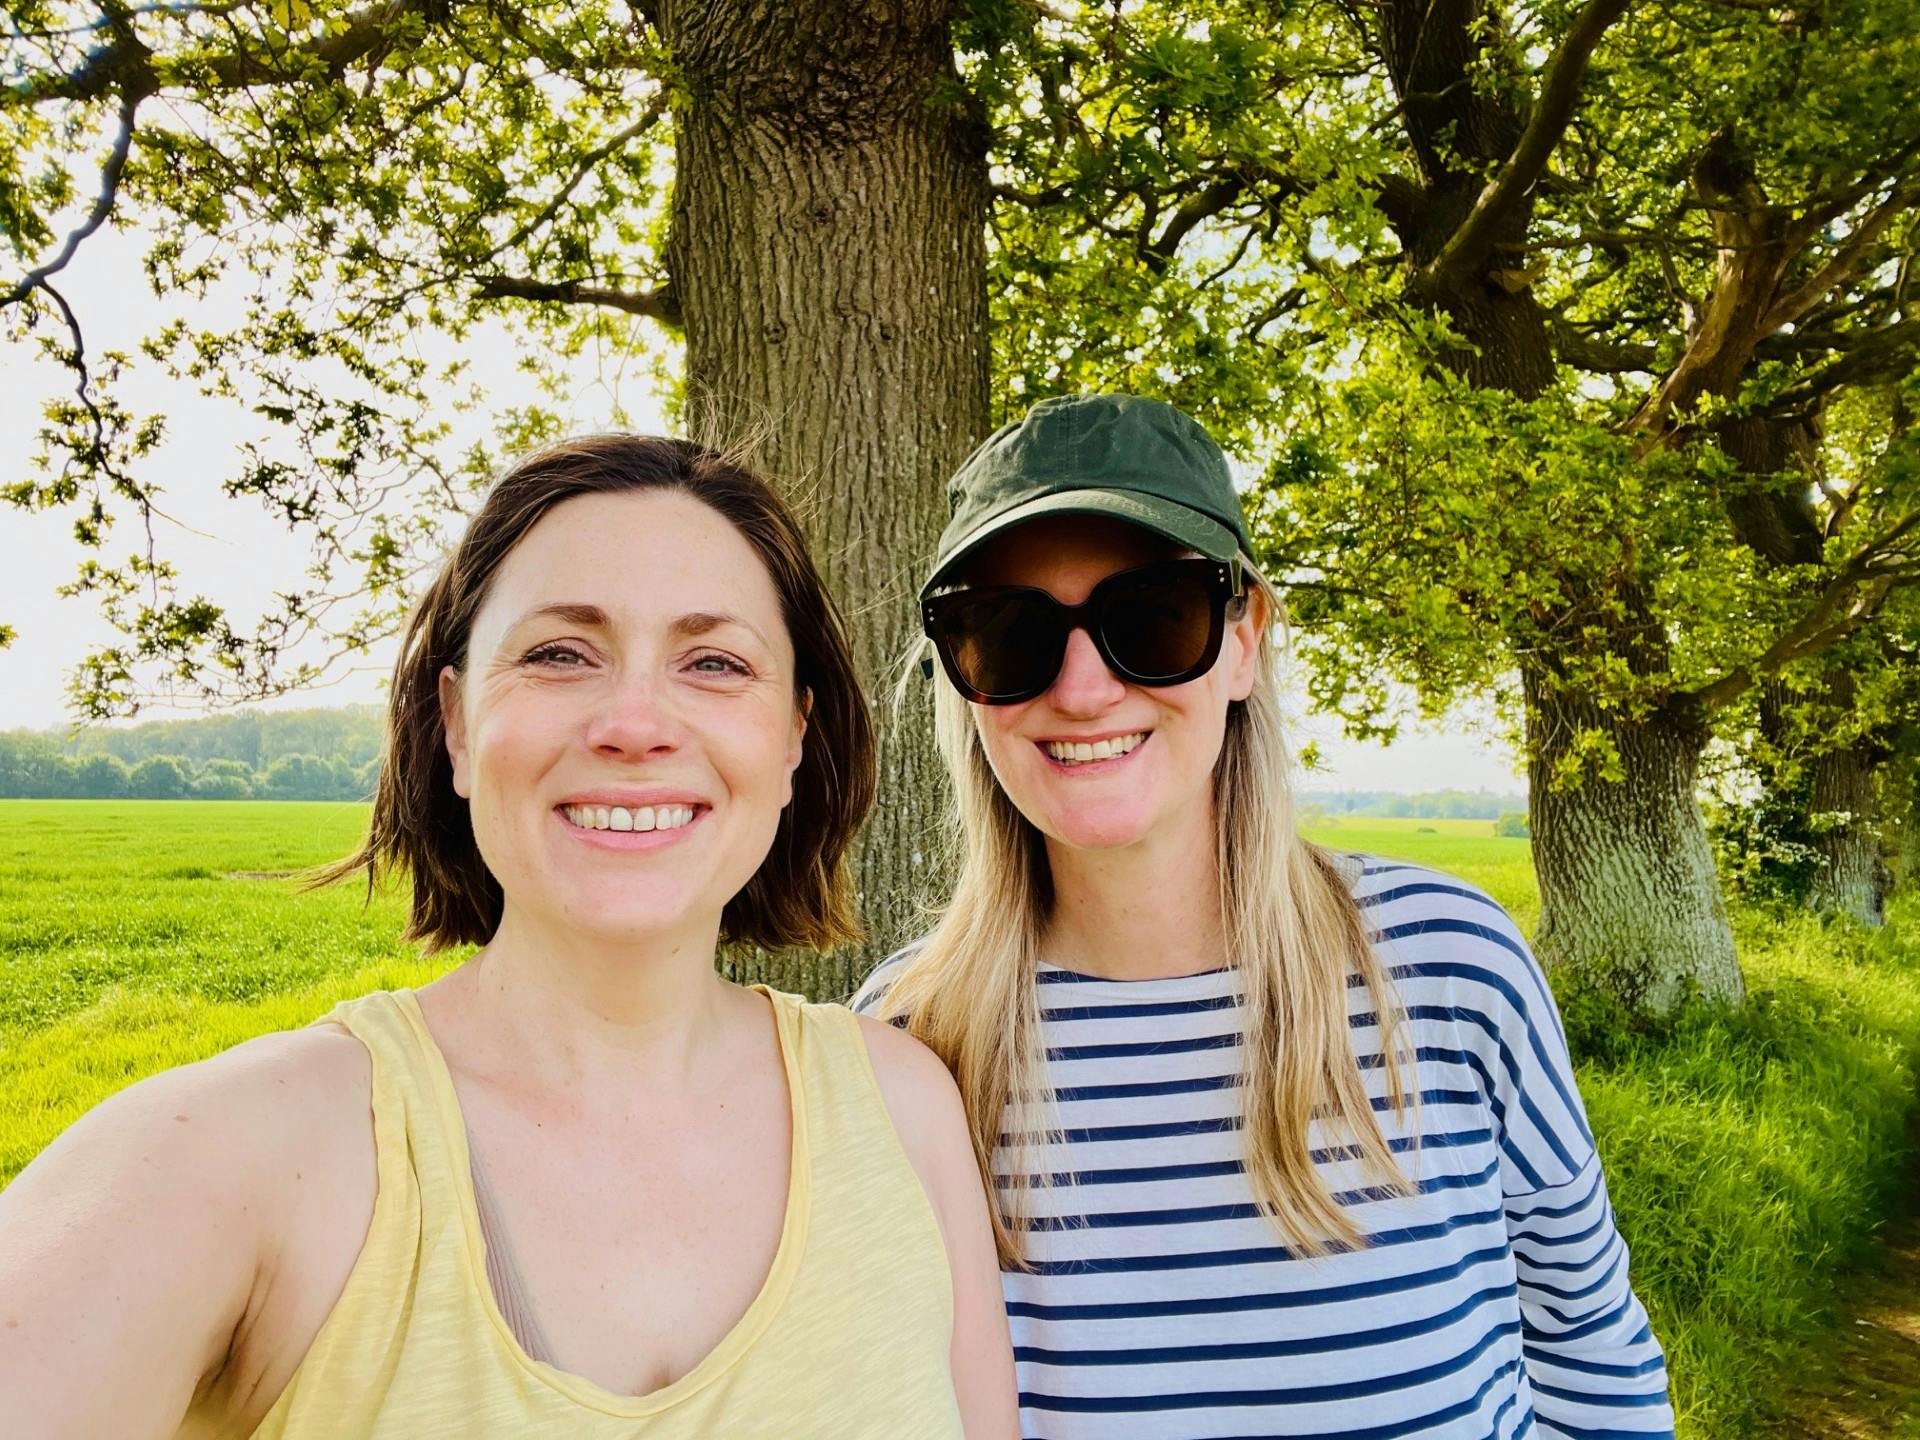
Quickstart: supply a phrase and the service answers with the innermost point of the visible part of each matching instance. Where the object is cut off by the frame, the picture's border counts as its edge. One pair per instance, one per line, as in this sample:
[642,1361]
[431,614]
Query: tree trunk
[828,252]
[1629,898]
[1904,829]
[1628,890]
[1777,521]
[1850,878]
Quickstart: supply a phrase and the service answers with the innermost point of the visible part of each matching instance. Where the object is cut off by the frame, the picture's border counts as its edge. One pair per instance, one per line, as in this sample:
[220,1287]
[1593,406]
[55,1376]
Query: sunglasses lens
[1002,642]
[1157,626]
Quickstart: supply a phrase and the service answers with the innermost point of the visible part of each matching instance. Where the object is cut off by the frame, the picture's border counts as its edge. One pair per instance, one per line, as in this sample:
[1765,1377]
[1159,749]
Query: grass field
[1749,1155]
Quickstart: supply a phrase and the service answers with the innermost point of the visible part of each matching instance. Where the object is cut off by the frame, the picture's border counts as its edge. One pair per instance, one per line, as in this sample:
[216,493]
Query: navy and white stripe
[1492,1302]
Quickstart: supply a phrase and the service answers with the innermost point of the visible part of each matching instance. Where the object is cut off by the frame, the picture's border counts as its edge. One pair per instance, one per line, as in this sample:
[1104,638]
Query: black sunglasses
[1160,624]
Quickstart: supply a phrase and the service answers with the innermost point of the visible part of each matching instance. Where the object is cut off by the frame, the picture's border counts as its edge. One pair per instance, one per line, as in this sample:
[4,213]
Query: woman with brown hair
[580,1185]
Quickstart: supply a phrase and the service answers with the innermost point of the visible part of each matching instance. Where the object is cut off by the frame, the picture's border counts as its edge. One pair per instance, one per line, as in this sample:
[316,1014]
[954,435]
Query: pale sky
[240,555]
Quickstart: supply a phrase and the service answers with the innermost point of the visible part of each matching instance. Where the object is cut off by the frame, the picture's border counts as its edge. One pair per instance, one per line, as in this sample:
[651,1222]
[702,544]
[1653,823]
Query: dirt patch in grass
[1863,1383]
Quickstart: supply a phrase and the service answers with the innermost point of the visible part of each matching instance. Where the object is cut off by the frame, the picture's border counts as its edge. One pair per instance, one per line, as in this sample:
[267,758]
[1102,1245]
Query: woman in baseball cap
[1284,1141]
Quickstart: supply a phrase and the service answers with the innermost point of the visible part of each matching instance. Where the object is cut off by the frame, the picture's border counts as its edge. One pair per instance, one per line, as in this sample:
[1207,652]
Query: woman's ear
[1243,643]
[453,721]
[796,748]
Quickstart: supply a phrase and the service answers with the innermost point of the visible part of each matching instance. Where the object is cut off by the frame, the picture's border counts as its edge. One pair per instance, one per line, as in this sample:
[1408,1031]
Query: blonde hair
[1293,930]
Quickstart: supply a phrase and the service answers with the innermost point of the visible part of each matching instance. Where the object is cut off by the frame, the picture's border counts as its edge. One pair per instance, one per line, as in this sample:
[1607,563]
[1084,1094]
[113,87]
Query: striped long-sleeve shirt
[1492,1301]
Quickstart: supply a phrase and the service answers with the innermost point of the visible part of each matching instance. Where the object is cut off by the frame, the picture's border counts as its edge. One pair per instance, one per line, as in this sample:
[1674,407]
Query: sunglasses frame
[1224,587]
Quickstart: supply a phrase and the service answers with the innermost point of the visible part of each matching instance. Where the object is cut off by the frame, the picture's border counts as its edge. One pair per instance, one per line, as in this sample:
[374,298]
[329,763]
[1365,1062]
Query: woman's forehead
[1066,547]
[635,555]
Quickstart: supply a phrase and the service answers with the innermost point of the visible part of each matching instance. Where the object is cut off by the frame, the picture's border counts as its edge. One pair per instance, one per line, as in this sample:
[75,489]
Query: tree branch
[1846,260]
[1868,357]
[660,304]
[1400,199]
[96,217]
[128,65]
[648,118]
[1194,211]
[1552,110]
[1600,357]
[1859,587]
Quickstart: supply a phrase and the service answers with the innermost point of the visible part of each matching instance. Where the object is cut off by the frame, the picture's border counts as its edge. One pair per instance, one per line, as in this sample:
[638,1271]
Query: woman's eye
[719,665]
[559,657]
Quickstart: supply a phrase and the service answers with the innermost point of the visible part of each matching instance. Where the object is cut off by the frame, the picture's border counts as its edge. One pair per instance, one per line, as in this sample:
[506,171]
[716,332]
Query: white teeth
[619,817]
[1072,752]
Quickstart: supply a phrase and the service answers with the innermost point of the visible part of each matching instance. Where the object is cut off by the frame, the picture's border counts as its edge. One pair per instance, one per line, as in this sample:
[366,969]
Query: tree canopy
[1570,346]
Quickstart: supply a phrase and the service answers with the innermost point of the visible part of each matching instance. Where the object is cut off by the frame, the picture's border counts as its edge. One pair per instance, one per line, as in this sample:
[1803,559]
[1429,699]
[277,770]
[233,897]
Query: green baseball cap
[1123,456]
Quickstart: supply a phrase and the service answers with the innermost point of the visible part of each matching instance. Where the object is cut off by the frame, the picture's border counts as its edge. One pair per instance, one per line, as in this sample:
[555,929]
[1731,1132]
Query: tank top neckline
[753,1322]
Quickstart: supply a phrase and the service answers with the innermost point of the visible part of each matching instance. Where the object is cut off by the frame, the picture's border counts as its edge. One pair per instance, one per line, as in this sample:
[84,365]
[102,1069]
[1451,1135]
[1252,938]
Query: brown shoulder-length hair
[801,894]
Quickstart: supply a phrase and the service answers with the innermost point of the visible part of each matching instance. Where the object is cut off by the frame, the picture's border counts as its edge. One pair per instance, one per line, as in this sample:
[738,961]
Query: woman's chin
[1113,831]
[621,922]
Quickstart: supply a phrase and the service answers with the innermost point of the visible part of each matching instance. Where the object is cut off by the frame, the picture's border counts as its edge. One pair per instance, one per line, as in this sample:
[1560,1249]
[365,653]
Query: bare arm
[137,1251]
[927,1113]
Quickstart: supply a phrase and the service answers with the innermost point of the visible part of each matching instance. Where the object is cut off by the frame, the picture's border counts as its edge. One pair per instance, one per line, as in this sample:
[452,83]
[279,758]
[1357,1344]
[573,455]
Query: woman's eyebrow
[690,625]
[571,611]
[699,622]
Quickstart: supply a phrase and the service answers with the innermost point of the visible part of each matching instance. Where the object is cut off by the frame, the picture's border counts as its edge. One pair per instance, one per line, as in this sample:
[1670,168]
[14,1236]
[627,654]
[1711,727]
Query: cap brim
[1173,521]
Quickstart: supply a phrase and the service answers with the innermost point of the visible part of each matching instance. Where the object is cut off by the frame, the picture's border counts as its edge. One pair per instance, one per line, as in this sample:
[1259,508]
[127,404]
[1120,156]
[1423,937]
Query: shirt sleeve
[1595,1368]
[866,1000]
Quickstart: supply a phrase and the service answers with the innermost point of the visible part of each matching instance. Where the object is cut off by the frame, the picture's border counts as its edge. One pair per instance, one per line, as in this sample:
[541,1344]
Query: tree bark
[1851,878]
[1629,897]
[828,253]
[1904,826]
[1841,819]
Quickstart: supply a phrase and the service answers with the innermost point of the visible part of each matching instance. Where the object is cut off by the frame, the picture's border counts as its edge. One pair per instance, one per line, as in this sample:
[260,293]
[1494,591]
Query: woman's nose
[633,719]
[1084,686]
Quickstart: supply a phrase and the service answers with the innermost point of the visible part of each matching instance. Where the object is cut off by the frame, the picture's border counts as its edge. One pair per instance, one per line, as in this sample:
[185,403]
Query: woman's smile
[1094,755]
[634,825]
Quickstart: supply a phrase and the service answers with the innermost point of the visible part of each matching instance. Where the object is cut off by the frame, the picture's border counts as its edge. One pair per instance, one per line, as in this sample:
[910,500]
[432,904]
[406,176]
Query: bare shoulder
[230,1119]
[924,1104]
[197,1224]
[247,1146]
[911,1076]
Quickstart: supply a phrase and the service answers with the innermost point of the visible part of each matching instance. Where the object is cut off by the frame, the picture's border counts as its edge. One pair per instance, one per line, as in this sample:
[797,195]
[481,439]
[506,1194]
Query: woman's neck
[566,1011]
[1146,911]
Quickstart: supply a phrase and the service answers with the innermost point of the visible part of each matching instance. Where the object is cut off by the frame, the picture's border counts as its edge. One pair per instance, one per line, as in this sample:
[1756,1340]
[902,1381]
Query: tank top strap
[852,1327]
[420,1140]
[869,1203]
[842,1098]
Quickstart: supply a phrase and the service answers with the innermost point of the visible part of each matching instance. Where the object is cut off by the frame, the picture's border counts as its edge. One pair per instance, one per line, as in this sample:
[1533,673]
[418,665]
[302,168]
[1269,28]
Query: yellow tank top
[849,1336]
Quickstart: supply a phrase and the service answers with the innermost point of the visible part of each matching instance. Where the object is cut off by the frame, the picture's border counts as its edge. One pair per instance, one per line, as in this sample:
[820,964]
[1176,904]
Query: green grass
[184,898]
[1749,1154]
[1467,848]
[136,936]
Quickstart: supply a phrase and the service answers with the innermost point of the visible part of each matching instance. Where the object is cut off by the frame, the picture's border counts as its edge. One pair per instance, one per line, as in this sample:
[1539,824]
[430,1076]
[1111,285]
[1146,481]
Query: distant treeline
[1434,805]
[247,755]
[334,754]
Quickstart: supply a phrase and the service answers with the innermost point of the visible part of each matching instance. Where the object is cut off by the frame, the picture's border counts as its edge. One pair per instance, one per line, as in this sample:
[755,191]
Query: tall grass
[1752,1153]
[1749,1153]
[138,935]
